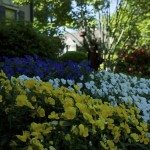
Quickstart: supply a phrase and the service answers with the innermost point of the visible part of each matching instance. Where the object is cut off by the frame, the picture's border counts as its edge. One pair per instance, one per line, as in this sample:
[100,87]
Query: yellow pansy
[83,131]
[70,113]
[67,137]
[144,126]
[24,137]
[125,127]
[135,136]
[29,83]
[33,99]
[104,145]
[47,130]
[88,117]
[144,139]
[111,145]
[74,130]
[22,100]
[53,115]
[41,112]
[50,101]
[100,123]
[68,102]
[82,107]
[116,133]
[36,144]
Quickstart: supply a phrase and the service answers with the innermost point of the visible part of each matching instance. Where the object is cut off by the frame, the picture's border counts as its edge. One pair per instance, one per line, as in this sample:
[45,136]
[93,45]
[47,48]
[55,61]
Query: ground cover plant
[38,116]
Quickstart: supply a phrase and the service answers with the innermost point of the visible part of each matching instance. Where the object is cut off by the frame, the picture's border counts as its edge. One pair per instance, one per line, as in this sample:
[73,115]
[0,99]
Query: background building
[10,11]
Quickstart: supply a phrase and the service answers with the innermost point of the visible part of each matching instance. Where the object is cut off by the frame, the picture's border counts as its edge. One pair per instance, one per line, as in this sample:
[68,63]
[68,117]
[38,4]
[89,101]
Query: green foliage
[18,39]
[49,14]
[74,56]
[35,116]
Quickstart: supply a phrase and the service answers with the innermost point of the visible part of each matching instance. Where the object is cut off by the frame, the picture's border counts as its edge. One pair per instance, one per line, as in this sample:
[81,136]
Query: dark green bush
[74,56]
[19,39]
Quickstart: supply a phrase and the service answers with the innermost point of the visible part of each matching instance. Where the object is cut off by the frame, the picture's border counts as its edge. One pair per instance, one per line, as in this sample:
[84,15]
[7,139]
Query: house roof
[76,38]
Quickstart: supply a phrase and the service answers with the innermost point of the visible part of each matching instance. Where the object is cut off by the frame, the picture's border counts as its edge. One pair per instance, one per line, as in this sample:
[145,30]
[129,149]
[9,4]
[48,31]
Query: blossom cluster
[44,117]
[44,68]
[113,87]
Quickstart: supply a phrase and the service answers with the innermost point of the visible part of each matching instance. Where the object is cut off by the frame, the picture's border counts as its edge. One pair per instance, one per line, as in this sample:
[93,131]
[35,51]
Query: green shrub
[19,39]
[74,56]
[35,116]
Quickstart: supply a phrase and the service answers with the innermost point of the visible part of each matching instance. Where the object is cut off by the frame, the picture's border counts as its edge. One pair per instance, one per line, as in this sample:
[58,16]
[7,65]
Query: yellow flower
[50,101]
[24,137]
[100,123]
[46,87]
[88,117]
[33,99]
[125,127]
[68,102]
[70,113]
[144,126]
[41,112]
[116,133]
[82,107]
[37,129]
[1,98]
[104,145]
[144,139]
[135,137]
[53,115]
[36,144]
[67,137]
[29,83]
[111,145]
[22,100]
[75,130]
[110,124]
[83,131]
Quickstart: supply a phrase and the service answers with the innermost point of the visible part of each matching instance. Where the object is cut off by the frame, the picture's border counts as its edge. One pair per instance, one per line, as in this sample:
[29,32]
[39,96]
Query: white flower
[37,78]
[88,85]
[63,81]
[81,78]
[23,77]
[51,81]
[80,85]
[70,88]
[92,76]
[56,85]
[70,82]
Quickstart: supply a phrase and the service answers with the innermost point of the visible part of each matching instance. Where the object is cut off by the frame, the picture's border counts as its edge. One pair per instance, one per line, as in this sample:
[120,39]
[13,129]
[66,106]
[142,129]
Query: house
[75,40]
[10,11]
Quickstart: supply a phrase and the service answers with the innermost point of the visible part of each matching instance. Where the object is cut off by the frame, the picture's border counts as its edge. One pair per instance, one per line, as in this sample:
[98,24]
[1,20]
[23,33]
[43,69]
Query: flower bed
[38,116]
[115,88]
[44,68]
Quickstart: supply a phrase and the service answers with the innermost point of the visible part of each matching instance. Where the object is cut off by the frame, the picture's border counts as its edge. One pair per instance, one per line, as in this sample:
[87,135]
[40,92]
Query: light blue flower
[63,81]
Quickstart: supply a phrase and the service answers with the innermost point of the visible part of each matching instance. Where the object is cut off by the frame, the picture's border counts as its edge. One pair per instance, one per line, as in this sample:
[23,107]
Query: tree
[49,15]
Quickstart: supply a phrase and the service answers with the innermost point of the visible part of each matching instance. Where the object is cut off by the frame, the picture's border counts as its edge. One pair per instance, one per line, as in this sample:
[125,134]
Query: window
[10,14]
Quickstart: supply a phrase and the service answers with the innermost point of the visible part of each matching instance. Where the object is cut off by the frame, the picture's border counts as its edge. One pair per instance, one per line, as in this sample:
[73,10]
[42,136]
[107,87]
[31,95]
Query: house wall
[26,9]
[8,10]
